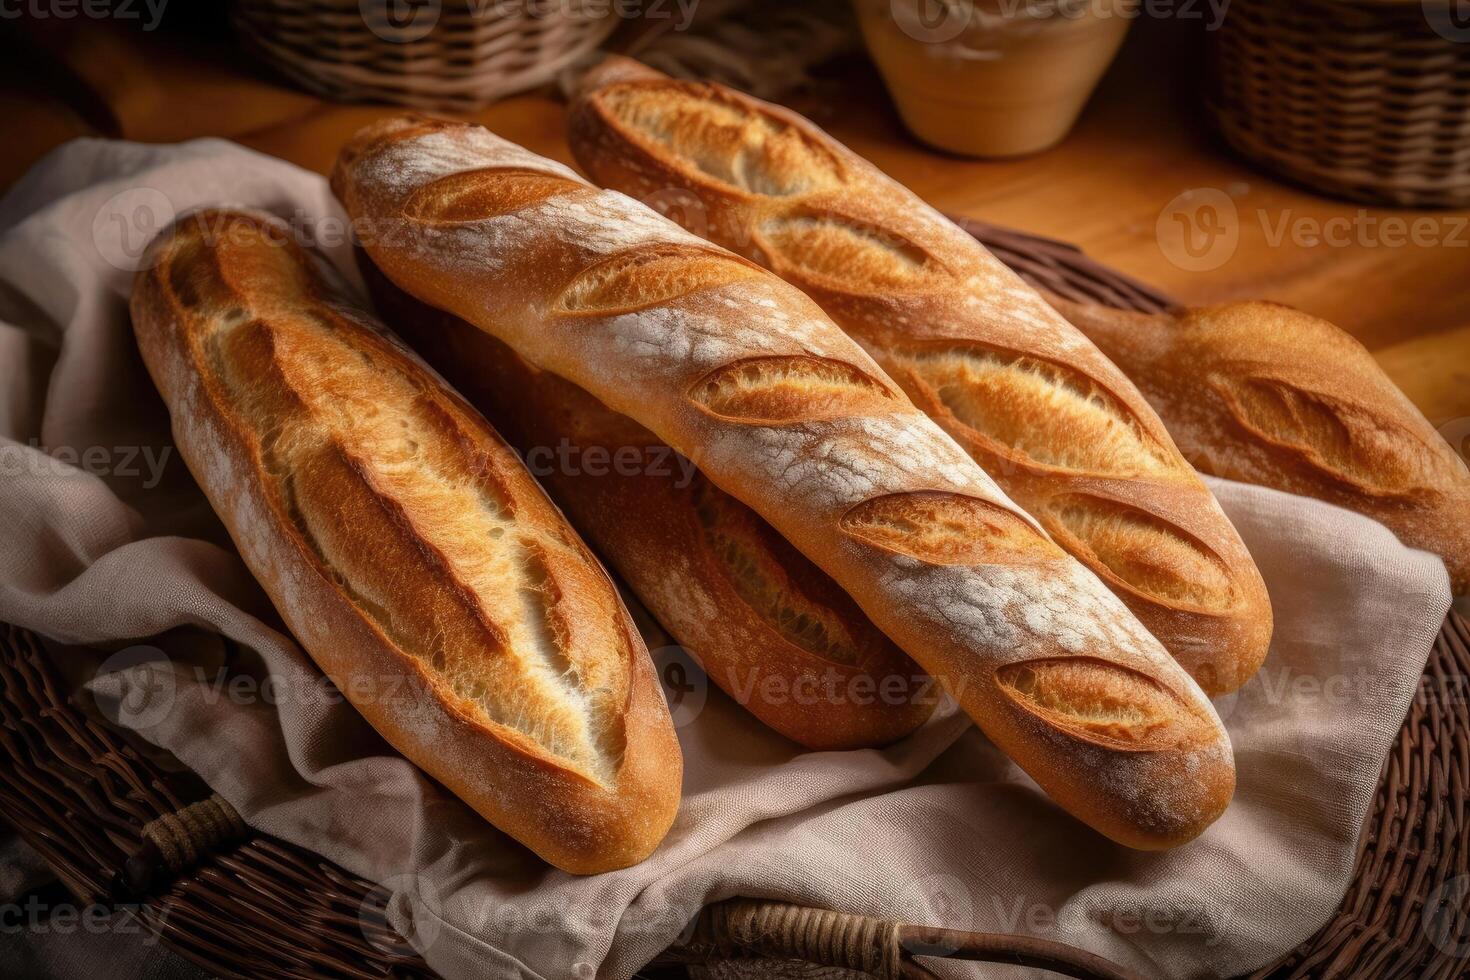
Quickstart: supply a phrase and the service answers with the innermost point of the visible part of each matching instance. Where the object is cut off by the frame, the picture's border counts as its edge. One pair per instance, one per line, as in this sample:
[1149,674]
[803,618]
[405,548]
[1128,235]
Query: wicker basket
[454,55]
[1363,99]
[120,829]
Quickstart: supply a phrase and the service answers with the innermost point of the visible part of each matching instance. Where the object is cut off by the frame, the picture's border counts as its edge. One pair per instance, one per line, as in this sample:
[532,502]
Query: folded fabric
[110,544]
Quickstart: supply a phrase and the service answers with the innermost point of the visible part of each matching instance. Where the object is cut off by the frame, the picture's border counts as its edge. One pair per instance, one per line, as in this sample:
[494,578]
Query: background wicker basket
[121,829]
[1364,99]
[431,54]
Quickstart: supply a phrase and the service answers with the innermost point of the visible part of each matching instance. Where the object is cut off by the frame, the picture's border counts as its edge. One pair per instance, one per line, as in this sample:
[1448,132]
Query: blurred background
[1316,153]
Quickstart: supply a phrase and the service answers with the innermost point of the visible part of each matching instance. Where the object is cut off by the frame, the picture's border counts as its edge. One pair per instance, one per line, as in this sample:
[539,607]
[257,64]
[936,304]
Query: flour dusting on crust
[801,474]
[406,165]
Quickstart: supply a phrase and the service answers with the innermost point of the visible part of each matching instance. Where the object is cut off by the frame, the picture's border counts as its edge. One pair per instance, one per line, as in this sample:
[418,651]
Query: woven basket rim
[330,923]
[1372,107]
[467,59]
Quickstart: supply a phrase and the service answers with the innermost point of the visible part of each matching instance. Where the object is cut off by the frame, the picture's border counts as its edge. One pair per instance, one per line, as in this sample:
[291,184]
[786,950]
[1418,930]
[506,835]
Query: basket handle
[175,842]
[743,927]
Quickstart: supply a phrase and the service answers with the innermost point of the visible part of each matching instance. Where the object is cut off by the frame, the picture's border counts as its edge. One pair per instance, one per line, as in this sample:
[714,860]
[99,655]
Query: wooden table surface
[1139,168]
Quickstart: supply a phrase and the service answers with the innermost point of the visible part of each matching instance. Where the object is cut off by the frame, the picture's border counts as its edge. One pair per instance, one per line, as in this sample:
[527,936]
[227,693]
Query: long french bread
[766,625]
[1266,394]
[406,547]
[1039,407]
[745,375]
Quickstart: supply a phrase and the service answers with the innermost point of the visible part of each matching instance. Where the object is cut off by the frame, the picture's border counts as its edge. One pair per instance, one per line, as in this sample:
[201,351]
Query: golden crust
[766,625]
[1049,417]
[1119,743]
[1266,394]
[406,547]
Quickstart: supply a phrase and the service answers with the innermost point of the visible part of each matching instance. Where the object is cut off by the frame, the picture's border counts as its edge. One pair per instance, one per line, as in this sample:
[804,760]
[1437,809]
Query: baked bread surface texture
[746,376]
[1266,394]
[768,627]
[1038,406]
[405,545]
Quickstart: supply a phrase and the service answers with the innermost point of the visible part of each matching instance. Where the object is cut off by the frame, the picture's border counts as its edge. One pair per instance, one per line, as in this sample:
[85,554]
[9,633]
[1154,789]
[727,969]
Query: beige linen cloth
[108,542]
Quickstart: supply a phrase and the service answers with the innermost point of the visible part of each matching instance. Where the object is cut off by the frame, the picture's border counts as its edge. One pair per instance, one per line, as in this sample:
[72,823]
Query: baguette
[403,543]
[780,409]
[766,625]
[1041,409]
[1263,393]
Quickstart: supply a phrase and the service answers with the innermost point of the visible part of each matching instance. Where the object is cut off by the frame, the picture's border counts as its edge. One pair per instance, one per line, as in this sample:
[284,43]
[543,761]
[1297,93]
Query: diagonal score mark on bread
[1023,392]
[1104,703]
[1309,396]
[636,281]
[1338,439]
[348,445]
[800,388]
[475,195]
[1267,394]
[721,141]
[840,250]
[1140,550]
[998,395]
[948,529]
[806,429]
[764,570]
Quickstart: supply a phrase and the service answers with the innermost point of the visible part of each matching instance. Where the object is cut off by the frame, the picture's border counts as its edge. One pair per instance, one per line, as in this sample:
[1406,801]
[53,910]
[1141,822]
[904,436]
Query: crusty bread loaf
[779,408]
[1266,394]
[766,625]
[406,547]
[1042,410]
